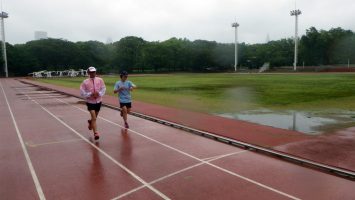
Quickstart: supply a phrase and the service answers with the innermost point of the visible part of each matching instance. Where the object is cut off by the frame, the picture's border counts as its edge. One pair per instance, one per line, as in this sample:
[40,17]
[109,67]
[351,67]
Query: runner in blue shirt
[124,88]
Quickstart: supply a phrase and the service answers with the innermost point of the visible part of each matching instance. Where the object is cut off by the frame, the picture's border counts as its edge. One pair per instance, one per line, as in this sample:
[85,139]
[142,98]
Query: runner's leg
[93,120]
[124,113]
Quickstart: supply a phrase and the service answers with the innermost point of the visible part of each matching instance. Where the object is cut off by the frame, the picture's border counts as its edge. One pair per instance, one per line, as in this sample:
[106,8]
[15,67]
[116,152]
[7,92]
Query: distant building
[40,35]
[109,40]
[267,38]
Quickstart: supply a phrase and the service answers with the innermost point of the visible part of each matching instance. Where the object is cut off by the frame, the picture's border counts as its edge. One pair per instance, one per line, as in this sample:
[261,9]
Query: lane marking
[103,152]
[191,156]
[178,172]
[28,159]
[30,144]
[129,192]
[224,155]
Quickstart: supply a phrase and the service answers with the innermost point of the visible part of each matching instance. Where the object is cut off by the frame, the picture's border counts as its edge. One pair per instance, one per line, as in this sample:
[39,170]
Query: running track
[47,152]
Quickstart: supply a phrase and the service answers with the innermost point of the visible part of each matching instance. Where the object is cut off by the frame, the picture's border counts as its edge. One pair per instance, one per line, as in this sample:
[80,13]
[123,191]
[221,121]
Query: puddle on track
[308,123]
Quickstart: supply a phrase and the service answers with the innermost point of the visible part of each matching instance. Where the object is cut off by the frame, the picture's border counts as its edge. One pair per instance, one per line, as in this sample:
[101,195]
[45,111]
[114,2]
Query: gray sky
[159,20]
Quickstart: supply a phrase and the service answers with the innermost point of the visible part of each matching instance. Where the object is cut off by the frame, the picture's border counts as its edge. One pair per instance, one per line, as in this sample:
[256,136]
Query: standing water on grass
[298,121]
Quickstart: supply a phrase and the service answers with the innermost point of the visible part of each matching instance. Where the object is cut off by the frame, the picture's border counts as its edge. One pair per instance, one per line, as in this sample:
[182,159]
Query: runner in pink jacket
[92,89]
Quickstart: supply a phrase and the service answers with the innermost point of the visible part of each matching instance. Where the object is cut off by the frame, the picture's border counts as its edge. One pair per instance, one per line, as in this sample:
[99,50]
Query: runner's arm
[83,92]
[132,86]
[103,89]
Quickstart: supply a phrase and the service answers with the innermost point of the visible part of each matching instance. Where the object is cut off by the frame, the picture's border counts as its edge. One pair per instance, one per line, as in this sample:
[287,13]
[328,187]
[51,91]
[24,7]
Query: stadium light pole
[295,13]
[2,16]
[235,25]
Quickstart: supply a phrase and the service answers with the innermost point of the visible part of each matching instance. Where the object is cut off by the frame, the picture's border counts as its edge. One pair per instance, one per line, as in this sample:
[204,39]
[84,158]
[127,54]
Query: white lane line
[178,172]
[159,179]
[224,155]
[193,166]
[129,192]
[28,159]
[191,156]
[30,144]
[103,152]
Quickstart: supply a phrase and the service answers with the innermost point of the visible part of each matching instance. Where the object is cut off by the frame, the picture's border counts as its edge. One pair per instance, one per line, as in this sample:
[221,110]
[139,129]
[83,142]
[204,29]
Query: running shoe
[89,126]
[96,136]
[126,125]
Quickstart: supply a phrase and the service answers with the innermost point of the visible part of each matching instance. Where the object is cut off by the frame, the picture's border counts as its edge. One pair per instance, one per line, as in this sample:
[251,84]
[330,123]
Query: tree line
[134,54]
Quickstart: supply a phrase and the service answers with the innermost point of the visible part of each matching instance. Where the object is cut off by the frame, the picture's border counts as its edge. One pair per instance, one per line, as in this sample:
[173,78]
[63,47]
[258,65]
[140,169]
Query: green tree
[340,45]
[128,52]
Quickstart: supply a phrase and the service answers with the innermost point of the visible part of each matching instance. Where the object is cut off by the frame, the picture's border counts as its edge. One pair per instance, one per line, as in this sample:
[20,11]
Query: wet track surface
[49,153]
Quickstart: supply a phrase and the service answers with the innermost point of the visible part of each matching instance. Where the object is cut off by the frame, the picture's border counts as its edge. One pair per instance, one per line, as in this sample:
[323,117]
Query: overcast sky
[159,20]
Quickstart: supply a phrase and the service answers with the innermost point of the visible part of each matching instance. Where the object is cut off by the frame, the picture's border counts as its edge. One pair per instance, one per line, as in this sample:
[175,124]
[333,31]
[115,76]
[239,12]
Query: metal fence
[65,73]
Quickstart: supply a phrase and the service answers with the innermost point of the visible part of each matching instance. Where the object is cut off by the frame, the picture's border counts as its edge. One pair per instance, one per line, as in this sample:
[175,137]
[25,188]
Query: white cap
[91,69]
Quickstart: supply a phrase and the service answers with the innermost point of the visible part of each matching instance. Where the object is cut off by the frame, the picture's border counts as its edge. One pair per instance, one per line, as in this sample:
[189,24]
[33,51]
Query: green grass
[235,92]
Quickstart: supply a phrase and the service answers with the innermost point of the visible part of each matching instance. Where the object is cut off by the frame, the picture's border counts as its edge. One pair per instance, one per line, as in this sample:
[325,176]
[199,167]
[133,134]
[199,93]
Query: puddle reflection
[291,120]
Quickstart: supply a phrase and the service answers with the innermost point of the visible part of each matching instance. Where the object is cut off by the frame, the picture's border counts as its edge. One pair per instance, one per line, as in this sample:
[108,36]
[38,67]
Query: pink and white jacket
[91,85]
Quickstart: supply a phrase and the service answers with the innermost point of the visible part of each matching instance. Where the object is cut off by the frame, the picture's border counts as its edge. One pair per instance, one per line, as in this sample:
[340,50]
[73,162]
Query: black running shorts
[128,105]
[95,106]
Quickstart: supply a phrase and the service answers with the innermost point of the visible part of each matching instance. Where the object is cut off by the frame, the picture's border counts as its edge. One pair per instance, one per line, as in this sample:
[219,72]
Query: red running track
[47,152]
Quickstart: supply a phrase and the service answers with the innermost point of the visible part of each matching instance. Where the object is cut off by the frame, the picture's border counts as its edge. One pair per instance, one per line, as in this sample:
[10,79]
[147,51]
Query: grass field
[218,93]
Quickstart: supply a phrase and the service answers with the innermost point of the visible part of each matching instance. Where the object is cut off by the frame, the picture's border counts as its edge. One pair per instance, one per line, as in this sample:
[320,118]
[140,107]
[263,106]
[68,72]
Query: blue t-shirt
[124,95]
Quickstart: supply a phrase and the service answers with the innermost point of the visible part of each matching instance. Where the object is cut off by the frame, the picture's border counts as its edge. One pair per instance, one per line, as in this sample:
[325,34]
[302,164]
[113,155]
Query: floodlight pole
[235,25]
[2,16]
[296,13]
